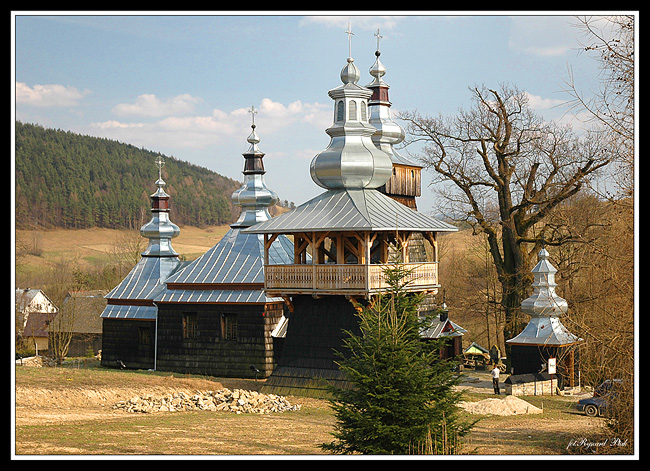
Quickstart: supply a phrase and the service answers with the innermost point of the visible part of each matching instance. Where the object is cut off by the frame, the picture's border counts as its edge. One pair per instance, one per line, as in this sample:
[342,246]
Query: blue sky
[182,83]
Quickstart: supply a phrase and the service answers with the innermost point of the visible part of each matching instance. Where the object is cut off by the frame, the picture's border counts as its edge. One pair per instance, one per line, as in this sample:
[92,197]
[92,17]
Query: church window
[190,325]
[229,326]
[352,114]
[340,109]
[144,336]
[363,111]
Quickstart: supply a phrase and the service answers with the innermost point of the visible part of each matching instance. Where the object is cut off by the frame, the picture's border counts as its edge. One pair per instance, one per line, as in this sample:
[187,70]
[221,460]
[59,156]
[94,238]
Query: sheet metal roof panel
[215,296]
[544,331]
[122,311]
[340,210]
[147,274]
[237,258]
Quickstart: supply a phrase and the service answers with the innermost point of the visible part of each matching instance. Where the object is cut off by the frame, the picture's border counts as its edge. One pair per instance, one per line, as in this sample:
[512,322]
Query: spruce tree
[401,398]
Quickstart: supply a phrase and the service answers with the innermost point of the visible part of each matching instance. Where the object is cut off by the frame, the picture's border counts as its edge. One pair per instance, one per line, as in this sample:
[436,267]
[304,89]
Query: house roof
[348,209]
[442,328]
[85,307]
[37,323]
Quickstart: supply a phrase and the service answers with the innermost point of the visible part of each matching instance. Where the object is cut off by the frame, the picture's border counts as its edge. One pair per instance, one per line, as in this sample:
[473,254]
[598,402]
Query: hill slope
[72,181]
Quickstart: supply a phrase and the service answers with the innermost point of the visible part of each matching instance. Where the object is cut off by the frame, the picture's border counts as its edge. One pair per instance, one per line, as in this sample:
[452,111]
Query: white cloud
[540,103]
[52,95]
[546,36]
[198,132]
[149,105]
[358,22]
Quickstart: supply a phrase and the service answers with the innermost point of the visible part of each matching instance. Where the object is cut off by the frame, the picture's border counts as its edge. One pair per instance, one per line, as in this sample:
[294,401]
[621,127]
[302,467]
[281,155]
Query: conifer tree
[401,398]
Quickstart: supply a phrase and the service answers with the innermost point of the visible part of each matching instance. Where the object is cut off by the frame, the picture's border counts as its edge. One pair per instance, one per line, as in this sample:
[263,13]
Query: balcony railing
[345,279]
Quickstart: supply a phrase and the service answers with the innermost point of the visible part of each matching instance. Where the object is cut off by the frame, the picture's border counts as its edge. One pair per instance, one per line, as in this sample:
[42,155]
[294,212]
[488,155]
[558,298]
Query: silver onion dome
[388,133]
[351,160]
[544,301]
[254,197]
[160,230]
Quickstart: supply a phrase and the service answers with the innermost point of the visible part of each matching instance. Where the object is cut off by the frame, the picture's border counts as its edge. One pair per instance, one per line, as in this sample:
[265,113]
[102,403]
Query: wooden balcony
[346,279]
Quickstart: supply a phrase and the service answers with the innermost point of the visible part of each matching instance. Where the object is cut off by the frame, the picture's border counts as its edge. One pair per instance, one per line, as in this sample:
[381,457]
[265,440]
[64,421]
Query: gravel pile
[238,401]
[510,405]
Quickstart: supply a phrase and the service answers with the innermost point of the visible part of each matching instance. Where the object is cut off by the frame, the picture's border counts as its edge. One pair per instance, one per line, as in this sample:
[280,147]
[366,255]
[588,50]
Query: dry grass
[67,411]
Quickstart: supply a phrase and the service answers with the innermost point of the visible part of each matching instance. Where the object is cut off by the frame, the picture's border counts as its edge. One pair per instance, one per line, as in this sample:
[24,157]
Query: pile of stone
[238,401]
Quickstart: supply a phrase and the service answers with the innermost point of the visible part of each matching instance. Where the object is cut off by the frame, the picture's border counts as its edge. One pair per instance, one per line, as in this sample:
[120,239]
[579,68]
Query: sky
[182,83]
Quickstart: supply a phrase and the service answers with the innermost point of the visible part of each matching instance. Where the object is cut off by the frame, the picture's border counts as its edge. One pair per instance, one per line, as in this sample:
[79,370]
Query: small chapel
[545,336]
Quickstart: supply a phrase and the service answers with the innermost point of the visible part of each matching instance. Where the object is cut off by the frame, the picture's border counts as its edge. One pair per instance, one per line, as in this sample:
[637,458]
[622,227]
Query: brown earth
[72,402]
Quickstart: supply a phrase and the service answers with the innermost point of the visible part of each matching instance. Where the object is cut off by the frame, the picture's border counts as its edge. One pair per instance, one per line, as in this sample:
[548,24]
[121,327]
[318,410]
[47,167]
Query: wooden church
[288,282]
[342,237]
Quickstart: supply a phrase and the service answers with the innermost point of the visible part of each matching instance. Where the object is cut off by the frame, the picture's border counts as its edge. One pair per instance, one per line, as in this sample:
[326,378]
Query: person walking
[495,379]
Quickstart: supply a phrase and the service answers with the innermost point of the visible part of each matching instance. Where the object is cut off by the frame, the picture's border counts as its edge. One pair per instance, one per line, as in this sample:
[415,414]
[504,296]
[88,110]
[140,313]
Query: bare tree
[612,39]
[504,170]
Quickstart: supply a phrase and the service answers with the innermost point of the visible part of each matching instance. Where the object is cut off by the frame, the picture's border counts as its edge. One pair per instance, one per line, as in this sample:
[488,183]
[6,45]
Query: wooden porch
[349,279]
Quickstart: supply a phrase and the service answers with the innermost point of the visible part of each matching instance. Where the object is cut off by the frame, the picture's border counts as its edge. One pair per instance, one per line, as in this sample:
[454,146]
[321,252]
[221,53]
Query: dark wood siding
[129,341]
[209,353]
[315,333]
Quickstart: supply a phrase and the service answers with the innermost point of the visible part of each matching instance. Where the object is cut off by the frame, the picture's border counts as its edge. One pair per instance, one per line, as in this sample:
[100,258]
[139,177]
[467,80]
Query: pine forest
[72,181]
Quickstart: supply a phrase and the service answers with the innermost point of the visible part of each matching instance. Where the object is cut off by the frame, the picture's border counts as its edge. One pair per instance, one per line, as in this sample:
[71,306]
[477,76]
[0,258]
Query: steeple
[254,197]
[388,131]
[160,230]
[544,301]
[545,307]
[351,161]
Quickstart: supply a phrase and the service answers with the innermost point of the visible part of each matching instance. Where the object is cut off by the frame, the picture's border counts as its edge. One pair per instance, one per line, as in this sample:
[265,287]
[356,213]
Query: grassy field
[68,411]
[95,246]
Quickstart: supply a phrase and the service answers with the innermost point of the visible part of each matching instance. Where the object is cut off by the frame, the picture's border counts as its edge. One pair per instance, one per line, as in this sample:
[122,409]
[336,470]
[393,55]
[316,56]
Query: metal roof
[436,329]
[237,259]
[115,311]
[546,331]
[347,209]
[141,281]
[141,284]
[544,306]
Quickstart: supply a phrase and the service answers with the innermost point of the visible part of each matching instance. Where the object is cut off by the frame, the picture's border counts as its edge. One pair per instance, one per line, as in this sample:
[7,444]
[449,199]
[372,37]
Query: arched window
[340,110]
[363,111]
[352,114]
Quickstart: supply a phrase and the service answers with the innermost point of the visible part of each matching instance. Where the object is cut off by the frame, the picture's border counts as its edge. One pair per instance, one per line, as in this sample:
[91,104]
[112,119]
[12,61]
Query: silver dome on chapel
[254,197]
[351,160]
[160,230]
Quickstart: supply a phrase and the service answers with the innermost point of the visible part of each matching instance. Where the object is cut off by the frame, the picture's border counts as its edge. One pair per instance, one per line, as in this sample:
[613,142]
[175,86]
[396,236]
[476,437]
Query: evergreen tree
[401,398]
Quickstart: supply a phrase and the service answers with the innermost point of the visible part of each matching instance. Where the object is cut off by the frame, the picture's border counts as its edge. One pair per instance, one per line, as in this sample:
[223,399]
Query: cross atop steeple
[378,38]
[253,112]
[160,162]
[350,34]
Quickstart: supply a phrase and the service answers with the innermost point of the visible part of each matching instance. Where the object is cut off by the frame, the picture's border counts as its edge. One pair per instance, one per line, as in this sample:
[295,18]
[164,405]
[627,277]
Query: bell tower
[342,242]
[405,182]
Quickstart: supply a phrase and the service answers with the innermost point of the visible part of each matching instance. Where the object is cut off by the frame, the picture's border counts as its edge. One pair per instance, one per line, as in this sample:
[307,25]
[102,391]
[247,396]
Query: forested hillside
[72,181]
